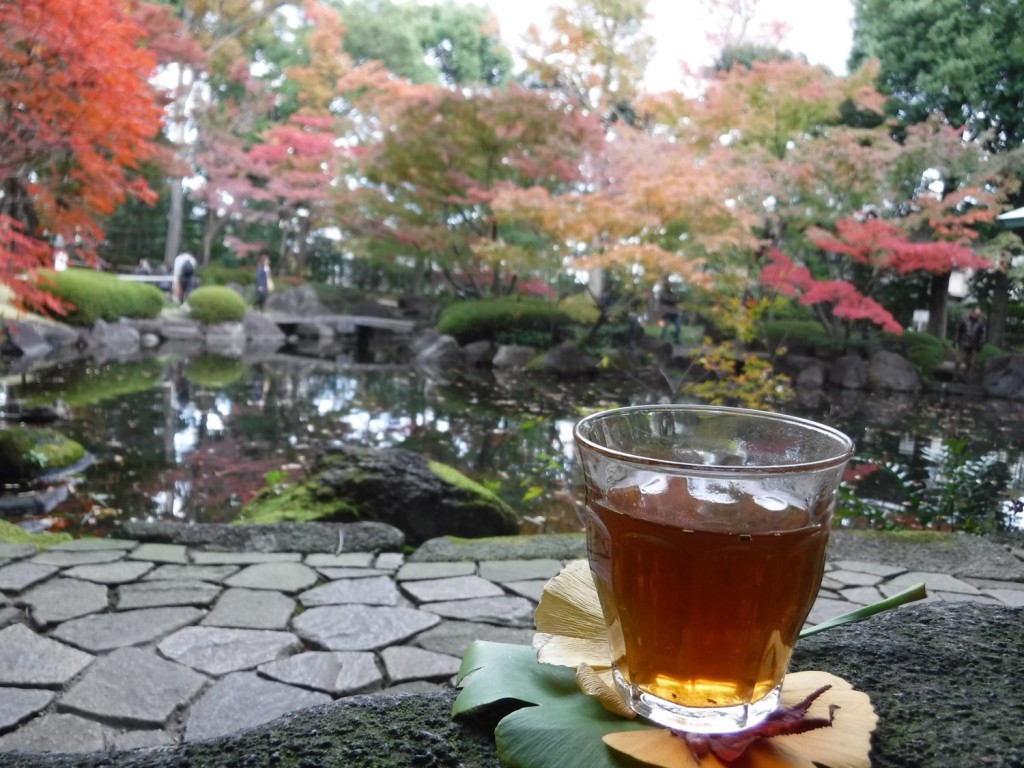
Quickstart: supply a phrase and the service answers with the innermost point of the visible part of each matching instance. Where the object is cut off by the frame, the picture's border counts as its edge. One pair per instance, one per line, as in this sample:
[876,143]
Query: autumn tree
[427,187]
[872,250]
[594,54]
[78,118]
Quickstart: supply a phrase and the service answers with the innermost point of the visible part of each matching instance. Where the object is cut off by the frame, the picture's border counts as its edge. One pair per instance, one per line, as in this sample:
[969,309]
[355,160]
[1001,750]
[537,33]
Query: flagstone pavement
[111,644]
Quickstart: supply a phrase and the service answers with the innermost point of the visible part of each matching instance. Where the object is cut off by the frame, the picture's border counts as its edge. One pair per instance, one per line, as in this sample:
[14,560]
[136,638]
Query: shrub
[218,274]
[92,295]
[924,351]
[580,308]
[987,352]
[508,318]
[216,304]
[792,333]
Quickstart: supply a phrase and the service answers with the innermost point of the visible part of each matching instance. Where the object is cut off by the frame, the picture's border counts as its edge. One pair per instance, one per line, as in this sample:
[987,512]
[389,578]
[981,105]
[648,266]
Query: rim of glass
[844,444]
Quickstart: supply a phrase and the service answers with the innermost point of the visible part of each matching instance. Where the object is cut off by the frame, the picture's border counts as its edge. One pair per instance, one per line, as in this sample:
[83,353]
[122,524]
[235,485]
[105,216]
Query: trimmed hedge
[792,333]
[216,304]
[493,318]
[93,295]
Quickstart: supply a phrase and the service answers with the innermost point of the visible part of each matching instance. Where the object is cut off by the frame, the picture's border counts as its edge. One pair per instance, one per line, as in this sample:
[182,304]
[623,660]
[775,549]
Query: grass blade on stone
[908,595]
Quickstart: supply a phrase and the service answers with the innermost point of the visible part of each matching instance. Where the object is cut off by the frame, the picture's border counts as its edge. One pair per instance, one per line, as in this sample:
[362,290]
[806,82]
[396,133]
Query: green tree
[446,43]
[962,58]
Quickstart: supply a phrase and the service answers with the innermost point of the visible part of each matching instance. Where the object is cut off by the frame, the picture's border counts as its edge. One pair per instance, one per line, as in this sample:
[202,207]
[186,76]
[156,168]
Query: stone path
[110,644]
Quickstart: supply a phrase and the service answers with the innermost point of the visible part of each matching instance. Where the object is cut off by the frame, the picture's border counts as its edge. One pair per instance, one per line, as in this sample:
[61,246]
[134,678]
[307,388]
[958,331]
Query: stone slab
[251,609]
[219,650]
[934,582]
[106,631]
[88,543]
[455,588]
[389,561]
[16,576]
[19,704]
[531,589]
[862,595]
[349,573]
[56,733]
[110,573]
[213,573]
[217,712]
[825,608]
[1011,597]
[161,553]
[379,590]
[519,570]
[145,738]
[360,627]
[343,560]
[862,566]
[154,594]
[281,577]
[506,611]
[9,552]
[65,559]
[853,578]
[417,571]
[31,660]
[454,637]
[404,663]
[338,673]
[61,599]
[133,686]
[244,558]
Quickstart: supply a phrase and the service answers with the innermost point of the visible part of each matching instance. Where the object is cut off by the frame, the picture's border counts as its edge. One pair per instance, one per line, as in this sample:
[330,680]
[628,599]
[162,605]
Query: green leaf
[532,493]
[493,672]
[567,732]
[563,727]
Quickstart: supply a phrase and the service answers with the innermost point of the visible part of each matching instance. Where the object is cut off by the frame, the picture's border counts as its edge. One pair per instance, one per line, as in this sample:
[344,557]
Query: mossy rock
[27,452]
[14,534]
[423,499]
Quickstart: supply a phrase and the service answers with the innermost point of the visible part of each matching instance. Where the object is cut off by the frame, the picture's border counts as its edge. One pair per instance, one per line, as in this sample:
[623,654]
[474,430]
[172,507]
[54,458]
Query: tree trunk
[937,302]
[211,226]
[997,312]
[175,216]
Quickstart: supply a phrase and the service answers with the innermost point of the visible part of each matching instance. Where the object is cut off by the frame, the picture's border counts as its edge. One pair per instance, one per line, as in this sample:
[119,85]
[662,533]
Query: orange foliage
[77,118]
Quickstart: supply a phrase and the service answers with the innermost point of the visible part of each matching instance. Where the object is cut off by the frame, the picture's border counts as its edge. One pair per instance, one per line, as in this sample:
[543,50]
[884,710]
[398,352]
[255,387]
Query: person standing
[264,282]
[970,337]
[668,311]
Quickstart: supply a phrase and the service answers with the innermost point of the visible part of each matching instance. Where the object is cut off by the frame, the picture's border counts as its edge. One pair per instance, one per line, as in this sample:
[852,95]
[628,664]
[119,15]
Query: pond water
[193,439]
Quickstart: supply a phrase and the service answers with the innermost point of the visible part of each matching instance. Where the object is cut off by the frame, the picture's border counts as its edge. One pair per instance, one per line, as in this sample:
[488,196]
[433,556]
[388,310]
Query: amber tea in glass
[706,532]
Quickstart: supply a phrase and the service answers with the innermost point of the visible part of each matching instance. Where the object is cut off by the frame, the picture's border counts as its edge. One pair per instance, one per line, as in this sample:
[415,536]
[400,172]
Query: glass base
[698,719]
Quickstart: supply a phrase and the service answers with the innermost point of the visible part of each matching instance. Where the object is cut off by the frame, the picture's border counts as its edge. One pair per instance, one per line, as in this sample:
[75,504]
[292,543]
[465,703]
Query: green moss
[13,534]
[298,504]
[92,295]
[27,452]
[452,476]
[216,304]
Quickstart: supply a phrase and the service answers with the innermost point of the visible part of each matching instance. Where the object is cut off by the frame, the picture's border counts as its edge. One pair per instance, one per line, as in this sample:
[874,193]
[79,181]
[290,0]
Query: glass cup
[706,532]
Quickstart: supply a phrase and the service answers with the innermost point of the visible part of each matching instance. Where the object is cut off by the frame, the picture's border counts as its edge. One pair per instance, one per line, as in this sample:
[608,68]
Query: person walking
[970,337]
[264,282]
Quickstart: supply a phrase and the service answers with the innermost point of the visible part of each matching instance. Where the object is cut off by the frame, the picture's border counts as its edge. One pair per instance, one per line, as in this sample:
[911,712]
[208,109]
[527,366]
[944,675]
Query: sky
[820,29]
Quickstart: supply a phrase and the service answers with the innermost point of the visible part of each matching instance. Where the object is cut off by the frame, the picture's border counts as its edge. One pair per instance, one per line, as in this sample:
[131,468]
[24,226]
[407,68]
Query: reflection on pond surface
[194,439]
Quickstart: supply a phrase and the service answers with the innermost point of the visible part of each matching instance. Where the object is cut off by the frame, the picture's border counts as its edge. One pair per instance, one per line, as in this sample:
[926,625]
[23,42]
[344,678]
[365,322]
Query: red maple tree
[77,119]
[882,247]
